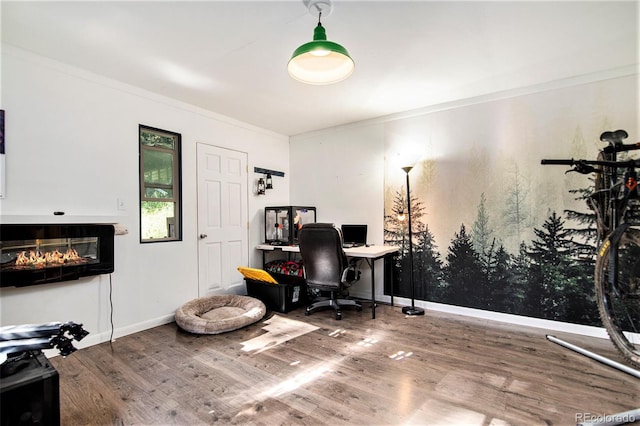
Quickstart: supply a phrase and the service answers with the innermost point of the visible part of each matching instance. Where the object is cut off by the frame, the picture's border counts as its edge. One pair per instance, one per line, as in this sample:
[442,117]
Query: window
[160,185]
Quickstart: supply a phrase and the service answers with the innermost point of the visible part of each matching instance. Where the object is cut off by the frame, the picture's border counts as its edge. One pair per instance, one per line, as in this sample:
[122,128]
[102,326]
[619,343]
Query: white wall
[72,146]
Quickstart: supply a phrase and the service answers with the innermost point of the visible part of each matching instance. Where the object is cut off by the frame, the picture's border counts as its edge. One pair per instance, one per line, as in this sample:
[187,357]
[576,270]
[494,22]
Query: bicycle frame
[617,271]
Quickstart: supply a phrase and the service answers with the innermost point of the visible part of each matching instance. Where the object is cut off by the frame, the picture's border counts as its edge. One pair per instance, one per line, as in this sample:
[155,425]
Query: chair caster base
[412,311]
[336,304]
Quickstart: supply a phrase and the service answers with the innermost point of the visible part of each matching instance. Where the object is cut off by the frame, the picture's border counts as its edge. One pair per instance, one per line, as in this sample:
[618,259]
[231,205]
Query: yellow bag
[257,274]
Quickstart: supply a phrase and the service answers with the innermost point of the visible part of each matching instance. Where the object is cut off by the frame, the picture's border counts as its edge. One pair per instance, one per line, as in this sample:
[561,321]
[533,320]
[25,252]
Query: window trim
[177,180]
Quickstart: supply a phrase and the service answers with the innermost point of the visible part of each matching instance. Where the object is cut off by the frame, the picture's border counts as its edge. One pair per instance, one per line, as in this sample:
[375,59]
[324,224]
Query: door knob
[203,236]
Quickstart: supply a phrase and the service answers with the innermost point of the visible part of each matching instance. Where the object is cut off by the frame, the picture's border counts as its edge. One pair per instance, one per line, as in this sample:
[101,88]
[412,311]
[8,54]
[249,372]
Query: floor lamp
[411,310]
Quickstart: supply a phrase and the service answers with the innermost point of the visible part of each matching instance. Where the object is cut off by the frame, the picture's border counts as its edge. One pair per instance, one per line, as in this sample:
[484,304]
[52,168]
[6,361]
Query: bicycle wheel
[618,291]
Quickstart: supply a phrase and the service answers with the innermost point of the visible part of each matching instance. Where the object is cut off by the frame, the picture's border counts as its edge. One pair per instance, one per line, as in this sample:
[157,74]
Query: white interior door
[223,233]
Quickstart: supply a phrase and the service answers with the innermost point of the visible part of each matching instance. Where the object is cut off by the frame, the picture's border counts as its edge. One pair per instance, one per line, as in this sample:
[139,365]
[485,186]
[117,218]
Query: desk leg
[386,275]
[371,263]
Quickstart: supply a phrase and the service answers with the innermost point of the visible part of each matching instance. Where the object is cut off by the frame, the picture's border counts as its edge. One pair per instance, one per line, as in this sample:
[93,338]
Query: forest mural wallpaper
[492,228]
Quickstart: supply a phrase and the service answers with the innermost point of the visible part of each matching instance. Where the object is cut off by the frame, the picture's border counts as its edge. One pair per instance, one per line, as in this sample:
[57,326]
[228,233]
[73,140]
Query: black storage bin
[289,294]
[30,395]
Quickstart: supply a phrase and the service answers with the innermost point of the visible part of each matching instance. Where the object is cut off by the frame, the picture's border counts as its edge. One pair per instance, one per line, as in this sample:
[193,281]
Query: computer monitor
[354,234]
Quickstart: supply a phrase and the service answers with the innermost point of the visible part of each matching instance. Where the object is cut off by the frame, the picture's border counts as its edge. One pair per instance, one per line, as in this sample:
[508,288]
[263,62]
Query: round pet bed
[219,313]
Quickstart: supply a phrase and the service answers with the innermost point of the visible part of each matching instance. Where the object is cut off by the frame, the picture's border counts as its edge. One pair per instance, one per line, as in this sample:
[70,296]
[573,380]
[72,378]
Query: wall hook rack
[268,172]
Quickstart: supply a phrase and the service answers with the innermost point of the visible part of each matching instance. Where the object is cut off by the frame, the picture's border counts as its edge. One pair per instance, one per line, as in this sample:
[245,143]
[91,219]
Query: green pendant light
[320,61]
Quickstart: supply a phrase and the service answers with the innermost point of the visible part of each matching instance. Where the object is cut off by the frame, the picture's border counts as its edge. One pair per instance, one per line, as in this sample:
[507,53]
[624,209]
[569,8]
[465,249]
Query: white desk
[370,254]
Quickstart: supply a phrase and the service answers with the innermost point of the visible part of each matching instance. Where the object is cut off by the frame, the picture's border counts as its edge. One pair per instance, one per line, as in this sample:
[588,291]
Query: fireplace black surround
[47,253]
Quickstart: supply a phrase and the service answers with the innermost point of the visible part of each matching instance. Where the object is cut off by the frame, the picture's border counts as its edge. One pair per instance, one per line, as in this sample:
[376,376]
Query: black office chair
[326,267]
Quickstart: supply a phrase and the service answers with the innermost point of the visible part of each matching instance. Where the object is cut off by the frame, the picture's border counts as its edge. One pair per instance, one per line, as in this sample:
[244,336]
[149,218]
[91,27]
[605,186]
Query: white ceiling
[230,57]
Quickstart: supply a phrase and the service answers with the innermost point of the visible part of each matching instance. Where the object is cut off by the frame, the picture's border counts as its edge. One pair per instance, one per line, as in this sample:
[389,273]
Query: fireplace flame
[37,259]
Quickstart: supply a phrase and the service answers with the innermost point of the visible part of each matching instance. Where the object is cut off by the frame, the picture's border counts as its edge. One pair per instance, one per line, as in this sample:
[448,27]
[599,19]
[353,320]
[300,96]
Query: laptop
[354,235]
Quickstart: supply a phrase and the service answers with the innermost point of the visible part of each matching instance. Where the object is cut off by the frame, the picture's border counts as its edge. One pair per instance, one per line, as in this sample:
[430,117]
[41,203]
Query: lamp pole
[410,310]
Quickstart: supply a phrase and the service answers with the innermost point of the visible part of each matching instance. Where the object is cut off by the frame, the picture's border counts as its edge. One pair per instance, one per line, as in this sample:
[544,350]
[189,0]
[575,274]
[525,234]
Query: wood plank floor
[289,369]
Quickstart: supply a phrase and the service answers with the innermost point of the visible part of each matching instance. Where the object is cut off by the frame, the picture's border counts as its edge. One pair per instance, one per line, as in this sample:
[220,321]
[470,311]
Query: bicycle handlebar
[635,163]
[614,139]
[570,162]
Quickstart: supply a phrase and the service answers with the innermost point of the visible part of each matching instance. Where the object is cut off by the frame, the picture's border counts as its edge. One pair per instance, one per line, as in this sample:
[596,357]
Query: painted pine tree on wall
[427,264]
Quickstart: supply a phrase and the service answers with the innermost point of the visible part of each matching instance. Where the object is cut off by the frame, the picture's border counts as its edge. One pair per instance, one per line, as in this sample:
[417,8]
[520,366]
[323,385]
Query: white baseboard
[566,327]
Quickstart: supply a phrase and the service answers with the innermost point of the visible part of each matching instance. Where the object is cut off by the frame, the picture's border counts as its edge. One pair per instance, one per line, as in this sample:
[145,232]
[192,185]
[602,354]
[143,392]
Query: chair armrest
[351,274]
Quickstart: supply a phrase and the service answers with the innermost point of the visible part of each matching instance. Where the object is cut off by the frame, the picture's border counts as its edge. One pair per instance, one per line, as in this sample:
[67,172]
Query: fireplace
[46,253]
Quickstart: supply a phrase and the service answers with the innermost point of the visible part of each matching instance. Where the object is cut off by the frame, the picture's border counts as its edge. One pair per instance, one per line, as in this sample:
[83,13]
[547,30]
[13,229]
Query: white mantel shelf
[58,219]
